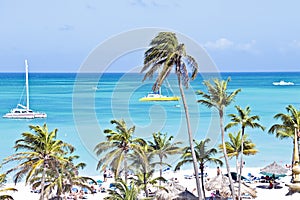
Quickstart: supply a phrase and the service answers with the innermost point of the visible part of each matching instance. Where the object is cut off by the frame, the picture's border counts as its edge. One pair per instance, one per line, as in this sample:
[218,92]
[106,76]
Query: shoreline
[181,178]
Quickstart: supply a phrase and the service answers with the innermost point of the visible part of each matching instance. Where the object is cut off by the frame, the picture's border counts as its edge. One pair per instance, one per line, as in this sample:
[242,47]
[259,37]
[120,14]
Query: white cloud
[290,47]
[295,44]
[224,44]
[246,46]
[221,43]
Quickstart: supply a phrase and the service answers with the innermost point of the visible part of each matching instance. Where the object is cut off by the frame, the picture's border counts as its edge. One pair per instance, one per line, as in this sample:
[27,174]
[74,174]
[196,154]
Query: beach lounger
[246,196]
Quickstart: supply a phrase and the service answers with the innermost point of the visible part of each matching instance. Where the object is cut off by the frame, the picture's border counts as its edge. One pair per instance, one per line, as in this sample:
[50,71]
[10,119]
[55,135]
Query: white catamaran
[21,111]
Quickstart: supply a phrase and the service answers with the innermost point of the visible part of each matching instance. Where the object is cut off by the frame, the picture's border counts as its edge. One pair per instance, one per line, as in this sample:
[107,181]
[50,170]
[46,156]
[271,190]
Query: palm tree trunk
[293,157]
[296,177]
[237,164]
[43,181]
[190,136]
[202,179]
[125,166]
[145,185]
[241,163]
[225,154]
[160,170]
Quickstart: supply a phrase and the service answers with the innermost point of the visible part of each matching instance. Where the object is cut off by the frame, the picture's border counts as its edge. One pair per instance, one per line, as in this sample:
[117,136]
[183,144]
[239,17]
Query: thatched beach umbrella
[164,195]
[226,193]
[185,195]
[174,191]
[221,183]
[171,191]
[217,183]
[275,169]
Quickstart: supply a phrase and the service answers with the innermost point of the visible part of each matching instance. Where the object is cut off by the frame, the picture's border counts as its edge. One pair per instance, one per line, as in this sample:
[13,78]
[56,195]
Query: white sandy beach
[262,194]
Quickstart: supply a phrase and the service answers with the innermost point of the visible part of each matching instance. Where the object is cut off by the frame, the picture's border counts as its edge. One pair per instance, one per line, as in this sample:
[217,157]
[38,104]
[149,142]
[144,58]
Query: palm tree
[166,53]
[203,156]
[162,146]
[3,190]
[289,121]
[122,191]
[121,142]
[290,127]
[42,151]
[218,97]
[245,120]
[143,167]
[64,178]
[234,147]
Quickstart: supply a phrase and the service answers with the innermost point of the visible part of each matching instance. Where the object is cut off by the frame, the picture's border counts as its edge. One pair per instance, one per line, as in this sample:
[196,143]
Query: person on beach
[218,171]
[270,184]
[105,175]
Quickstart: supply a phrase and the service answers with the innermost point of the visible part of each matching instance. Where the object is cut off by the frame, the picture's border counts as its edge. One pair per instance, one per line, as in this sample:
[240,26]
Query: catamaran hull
[160,98]
[24,116]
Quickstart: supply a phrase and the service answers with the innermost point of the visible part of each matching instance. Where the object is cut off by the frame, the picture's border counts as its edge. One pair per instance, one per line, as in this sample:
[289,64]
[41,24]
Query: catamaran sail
[21,111]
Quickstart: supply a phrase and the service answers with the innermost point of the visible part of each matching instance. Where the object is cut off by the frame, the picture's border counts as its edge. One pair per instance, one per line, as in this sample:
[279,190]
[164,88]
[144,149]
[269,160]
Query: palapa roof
[175,191]
[275,169]
[185,195]
[217,183]
[221,183]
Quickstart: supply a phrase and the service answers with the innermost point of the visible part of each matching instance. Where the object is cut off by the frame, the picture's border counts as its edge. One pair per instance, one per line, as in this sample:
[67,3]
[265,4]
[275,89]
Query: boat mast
[27,88]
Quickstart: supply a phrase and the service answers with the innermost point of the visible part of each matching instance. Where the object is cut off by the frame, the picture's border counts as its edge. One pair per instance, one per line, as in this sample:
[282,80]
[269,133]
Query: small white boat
[21,111]
[283,83]
[157,96]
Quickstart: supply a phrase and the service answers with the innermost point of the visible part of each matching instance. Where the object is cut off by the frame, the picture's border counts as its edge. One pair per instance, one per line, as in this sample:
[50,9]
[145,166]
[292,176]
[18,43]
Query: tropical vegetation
[3,191]
[289,128]
[203,155]
[122,191]
[162,146]
[218,97]
[165,55]
[234,147]
[120,142]
[45,162]
[143,167]
[243,119]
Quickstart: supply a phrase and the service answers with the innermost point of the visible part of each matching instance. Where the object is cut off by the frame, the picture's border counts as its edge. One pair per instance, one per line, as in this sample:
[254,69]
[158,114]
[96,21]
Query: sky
[59,35]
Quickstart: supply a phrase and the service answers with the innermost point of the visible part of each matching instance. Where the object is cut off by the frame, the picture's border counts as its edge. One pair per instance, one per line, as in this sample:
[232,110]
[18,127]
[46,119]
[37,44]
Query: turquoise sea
[82,105]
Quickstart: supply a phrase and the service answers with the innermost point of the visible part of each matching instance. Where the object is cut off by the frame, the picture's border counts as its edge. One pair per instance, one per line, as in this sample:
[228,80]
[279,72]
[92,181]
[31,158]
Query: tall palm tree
[164,55]
[243,119]
[120,142]
[234,147]
[203,156]
[122,191]
[42,150]
[218,97]
[4,190]
[290,127]
[163,146]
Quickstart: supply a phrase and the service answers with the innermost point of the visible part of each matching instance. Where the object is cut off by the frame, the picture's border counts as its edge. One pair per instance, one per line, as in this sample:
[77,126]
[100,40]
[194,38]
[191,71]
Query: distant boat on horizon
[282,82]
[23,111]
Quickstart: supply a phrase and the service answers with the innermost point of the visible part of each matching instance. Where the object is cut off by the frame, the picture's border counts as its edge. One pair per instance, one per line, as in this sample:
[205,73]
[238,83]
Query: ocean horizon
[81,106]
